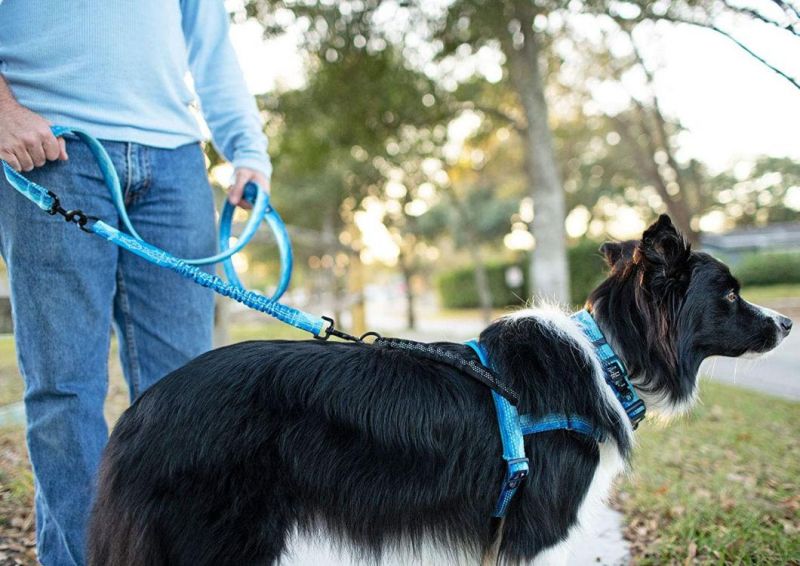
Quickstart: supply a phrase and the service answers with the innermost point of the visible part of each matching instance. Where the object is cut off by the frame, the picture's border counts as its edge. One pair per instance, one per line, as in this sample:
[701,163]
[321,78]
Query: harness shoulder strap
[513,427]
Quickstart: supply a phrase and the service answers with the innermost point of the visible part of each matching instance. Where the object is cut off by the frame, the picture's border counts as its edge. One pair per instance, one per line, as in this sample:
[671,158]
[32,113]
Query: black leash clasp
[75,216]
[331,330]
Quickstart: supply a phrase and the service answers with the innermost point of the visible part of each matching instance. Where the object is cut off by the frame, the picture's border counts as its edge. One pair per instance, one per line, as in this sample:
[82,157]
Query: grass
[719,486]
[771,292]
[254,331]
[10,383]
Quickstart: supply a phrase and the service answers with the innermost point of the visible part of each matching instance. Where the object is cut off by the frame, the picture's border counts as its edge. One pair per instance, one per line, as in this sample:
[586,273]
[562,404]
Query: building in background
[733,245]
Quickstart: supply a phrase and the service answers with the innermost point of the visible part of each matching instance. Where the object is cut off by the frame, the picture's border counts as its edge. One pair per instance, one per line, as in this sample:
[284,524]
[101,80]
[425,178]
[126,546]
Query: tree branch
[747,50]
[661,123]
[513,121]
[787,7]
[709,26]
[756,15]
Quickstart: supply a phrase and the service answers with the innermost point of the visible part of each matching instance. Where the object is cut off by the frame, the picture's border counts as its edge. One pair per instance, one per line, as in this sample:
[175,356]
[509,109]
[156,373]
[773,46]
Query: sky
[734,108]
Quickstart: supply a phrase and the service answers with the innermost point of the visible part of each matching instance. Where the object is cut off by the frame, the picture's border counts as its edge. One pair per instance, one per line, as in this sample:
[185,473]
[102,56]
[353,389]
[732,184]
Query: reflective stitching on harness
[477,371]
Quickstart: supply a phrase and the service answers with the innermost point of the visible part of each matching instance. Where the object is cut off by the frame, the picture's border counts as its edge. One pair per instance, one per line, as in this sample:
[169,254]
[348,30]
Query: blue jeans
[68,288]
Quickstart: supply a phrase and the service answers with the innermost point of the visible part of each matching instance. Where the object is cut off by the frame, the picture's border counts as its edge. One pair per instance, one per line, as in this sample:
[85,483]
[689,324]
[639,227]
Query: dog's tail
[120,532]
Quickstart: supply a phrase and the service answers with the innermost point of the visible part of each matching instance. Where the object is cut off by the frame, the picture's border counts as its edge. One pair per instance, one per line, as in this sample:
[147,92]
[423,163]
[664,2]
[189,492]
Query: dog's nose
[785,324]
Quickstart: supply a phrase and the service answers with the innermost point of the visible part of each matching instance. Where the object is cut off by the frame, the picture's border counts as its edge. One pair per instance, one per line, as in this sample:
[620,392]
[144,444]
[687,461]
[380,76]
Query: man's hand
[25,138]
[242,176]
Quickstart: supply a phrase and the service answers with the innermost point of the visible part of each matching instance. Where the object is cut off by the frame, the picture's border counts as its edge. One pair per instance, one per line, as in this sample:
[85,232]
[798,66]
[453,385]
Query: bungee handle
[256,195]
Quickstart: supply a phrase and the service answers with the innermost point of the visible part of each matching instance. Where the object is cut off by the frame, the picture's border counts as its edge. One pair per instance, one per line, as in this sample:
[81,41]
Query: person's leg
[62,289]
[163,319]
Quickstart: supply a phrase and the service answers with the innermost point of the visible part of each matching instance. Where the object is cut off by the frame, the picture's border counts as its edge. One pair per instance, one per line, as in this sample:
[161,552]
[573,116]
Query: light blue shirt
[118,69]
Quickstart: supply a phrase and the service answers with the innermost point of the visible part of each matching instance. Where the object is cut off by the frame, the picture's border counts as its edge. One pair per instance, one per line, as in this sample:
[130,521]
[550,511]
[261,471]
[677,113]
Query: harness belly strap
[513,427]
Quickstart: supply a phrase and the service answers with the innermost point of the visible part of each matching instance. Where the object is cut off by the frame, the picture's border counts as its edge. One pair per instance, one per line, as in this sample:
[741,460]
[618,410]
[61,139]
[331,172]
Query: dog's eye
[731,296]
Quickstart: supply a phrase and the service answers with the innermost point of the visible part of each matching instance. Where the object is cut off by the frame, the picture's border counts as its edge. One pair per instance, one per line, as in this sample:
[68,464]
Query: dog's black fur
[222,459]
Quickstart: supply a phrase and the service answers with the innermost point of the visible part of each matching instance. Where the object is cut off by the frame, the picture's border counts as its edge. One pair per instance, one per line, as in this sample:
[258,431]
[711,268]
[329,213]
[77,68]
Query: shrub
[770,268]
[457,287]
[587,269]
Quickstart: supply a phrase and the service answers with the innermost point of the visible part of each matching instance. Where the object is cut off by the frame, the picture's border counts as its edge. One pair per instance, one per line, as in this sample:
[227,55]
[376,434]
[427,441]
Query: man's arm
[25,137]
[229,109]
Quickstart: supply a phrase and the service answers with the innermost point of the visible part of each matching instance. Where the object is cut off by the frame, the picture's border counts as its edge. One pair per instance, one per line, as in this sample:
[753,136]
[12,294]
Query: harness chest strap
[513,427]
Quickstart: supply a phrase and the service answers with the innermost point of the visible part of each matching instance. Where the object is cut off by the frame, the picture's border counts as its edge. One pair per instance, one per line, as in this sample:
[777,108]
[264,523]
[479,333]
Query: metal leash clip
[76,216]
[331,330]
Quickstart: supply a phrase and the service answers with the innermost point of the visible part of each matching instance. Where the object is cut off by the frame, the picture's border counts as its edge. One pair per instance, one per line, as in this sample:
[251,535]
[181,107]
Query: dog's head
[666,308]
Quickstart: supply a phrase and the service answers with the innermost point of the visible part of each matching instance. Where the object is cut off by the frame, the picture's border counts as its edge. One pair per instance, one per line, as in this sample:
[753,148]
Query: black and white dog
[389,454]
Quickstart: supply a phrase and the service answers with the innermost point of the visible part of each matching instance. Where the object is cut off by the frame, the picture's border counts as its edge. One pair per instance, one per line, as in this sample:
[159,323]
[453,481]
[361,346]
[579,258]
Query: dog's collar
[513,427]
[614,371]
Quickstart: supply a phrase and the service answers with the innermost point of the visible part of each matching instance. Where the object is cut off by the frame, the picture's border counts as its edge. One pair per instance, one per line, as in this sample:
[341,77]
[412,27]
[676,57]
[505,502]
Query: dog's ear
[665,254]
[613,252]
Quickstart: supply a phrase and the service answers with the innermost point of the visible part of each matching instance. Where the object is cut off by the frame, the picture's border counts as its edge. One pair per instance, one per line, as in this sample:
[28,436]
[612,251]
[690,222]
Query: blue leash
[320,327]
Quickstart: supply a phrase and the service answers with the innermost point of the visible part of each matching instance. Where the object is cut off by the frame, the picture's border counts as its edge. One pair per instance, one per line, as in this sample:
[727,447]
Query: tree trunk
[644,158]
[408,275]
[355,288]
[678,205]
[549,271]
[331,285]
[485,298]
[222,335]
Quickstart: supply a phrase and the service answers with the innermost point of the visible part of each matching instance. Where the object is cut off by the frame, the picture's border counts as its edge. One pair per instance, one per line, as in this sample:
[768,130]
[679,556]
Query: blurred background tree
[425,136]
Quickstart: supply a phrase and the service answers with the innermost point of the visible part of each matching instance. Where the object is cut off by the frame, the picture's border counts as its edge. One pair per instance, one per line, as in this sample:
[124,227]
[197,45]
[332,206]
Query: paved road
[777,373]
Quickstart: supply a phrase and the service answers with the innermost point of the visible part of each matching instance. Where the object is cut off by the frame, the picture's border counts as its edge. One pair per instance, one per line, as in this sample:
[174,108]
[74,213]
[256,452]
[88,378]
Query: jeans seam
[143,174]
[128,171]
[145,152]
[128,337]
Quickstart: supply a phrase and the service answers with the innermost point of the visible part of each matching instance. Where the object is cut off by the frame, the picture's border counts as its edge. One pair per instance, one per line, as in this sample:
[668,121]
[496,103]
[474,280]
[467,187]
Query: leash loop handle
[262,211]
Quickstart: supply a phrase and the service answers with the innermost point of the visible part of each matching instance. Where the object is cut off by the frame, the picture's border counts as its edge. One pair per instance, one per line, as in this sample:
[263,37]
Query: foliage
[338,130]
[480,216]
[384,80]
[587,269]
[719,486]
[769,192]
[769,268]
[457,287]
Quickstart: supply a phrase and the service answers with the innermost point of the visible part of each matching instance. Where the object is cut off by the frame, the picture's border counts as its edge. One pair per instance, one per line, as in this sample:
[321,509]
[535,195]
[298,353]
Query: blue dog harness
[514,427]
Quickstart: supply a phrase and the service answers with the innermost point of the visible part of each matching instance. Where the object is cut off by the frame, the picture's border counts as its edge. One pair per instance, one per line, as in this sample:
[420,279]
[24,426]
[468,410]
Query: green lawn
[242,332]
[720,486]
[771,292]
